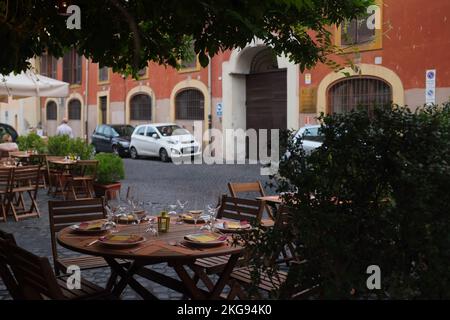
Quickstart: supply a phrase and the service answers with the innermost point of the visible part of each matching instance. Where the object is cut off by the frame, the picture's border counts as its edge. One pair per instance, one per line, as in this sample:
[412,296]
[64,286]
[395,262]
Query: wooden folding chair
[41,161]
[37,281]
[53,175]
[5,183]
[80,183]
[230,208]
[24,180]
[241,279]
[238,188]
[65,213]
[5,269]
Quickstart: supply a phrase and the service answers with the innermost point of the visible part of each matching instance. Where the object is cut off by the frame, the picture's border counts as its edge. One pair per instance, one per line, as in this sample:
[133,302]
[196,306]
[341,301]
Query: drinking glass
[110,224]
[182,205]
[210,218]
[172,208]
[195,215]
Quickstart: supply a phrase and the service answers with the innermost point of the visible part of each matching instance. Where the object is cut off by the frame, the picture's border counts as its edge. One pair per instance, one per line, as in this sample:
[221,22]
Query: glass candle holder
[163,222]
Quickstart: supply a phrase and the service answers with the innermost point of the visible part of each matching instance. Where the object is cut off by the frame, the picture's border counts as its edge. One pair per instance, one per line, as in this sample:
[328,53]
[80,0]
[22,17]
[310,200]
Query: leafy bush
[380,189]
[32,141]
[110,168]
[64,145]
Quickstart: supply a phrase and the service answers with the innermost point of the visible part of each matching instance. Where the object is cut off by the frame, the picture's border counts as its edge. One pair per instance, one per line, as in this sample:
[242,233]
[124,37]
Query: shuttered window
[74,109]
[72,67]
[141,107]
[52,112]
[48,66]
[190,105]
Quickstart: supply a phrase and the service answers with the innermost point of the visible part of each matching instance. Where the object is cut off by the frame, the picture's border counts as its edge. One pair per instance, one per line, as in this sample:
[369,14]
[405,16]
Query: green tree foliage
[110,168]
[65,146]
[126,34]
[375,193]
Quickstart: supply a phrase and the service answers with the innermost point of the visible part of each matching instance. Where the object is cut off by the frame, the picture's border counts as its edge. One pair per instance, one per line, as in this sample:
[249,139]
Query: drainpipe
[86,103]
[210,97]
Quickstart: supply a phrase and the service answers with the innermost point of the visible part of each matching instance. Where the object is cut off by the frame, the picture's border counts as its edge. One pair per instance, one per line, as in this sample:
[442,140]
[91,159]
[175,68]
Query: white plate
[221,228]
[117,244]
[206,244]
[76,228]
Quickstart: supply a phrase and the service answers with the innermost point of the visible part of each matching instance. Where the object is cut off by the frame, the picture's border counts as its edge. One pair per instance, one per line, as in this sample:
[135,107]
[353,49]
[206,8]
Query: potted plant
[110,171]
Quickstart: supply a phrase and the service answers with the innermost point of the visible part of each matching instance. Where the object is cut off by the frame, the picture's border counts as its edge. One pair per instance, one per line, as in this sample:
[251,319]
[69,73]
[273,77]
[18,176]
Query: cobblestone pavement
[151,180]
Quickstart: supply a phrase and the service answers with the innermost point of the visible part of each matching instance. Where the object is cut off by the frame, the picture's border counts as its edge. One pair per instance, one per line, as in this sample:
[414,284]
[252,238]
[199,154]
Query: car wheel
[115,150]
[163,155]
[133,153]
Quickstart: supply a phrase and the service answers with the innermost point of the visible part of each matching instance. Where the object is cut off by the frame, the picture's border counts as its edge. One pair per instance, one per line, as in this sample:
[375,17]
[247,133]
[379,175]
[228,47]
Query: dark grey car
[112,138]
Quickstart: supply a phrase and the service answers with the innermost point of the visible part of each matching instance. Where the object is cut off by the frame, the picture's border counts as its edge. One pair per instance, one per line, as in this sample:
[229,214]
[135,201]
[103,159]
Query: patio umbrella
[28,84]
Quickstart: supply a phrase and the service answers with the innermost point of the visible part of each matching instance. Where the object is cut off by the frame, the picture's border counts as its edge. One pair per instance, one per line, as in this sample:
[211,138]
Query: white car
[164,140]
[311,137]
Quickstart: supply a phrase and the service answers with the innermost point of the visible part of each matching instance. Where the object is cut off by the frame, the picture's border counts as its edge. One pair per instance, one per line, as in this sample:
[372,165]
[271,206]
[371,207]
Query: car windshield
[122,131]
[312,134]
[171,130]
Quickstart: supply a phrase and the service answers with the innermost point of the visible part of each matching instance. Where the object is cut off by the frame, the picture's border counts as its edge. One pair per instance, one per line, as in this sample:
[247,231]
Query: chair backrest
[28,175]
[38,159]
[86,168]
[65,213]
[241,209]
[239,188]
[5,267]
[34,274]
[5,179]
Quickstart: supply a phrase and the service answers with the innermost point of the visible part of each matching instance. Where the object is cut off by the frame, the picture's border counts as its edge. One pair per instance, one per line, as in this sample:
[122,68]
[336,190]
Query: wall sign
[308,100]
[308,78]
[219,109]
[430,91]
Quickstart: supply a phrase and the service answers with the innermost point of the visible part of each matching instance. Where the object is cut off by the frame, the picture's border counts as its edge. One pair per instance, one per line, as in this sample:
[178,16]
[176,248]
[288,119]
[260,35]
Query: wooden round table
[156,249]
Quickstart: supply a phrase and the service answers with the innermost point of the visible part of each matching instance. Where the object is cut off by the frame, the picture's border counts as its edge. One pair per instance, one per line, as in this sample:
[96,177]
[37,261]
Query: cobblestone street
[151,180]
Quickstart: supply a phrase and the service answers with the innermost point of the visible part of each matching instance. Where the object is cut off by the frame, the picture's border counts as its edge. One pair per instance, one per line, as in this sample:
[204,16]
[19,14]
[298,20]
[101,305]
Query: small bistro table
[64,168]
[155,250]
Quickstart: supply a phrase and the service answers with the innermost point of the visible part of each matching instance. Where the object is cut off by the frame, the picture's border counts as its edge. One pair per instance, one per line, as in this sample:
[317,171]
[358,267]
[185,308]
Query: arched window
[141,107]
[74,109]
[190,105]
[358,93]
[52,110]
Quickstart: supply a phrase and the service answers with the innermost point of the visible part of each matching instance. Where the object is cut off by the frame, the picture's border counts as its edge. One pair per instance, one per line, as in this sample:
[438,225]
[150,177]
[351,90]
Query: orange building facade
[251,88]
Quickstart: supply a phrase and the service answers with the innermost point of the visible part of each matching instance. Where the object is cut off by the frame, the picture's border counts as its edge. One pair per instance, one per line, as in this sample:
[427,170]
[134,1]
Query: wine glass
[147,206]
[196,214]
[182,204]
[172,208]
[110,224]
[210,218]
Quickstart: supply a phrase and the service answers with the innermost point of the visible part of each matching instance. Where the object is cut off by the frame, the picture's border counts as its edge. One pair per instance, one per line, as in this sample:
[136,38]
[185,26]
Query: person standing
[64,129]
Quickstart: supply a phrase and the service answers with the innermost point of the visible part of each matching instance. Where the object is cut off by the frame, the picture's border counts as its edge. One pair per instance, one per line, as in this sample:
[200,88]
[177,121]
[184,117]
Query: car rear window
[172,130]
[122,131]
[313,134]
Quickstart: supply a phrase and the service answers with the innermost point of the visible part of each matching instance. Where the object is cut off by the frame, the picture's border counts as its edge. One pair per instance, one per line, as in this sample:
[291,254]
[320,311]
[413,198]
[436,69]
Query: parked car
[7,129]
[164,140]
[311,137]
[112,138]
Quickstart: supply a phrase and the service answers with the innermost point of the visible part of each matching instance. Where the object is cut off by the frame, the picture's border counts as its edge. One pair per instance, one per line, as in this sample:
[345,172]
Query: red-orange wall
[416,37]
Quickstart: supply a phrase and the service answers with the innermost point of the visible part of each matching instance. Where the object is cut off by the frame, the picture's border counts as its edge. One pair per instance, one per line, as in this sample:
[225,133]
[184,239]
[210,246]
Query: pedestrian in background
[64,129]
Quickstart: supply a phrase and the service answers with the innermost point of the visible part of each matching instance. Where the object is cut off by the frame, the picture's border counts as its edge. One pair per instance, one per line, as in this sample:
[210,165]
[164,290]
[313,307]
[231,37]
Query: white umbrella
[28,84]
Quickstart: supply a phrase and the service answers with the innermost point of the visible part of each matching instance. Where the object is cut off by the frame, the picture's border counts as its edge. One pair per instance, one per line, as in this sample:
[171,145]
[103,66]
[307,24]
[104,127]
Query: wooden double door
[266,102]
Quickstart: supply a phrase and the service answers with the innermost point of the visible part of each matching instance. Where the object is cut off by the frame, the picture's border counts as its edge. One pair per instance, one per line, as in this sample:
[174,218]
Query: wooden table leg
[126,278]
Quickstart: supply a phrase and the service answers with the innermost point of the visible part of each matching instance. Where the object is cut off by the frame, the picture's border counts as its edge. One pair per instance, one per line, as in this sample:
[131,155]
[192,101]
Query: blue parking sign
[219,109]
